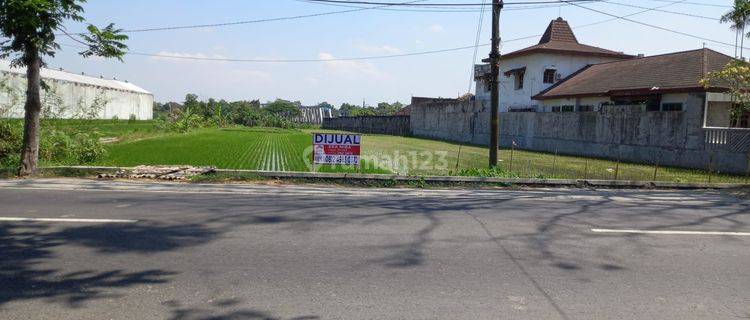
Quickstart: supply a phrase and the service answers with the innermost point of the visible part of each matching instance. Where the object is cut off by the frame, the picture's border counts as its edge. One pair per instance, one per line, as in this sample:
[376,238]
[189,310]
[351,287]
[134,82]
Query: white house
[529,71]
[70,95]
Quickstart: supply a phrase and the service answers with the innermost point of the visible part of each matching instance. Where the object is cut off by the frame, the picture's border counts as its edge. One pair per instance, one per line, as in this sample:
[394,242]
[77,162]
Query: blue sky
[365,33]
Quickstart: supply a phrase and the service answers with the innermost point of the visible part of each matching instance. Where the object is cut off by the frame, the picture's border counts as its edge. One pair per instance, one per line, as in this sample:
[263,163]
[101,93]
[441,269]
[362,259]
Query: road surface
[76,249]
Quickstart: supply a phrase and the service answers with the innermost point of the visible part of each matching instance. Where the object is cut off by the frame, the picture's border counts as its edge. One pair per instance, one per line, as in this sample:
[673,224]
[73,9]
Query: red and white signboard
[331,148]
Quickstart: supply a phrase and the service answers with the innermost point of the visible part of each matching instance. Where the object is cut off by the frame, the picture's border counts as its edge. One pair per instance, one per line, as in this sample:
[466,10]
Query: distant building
[70,95]
[529,71]
[313,115]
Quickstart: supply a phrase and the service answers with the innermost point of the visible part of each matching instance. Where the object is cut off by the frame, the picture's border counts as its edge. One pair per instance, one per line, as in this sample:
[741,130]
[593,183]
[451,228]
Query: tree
[735,76]
[191,104]
[325,105]
[387,109]
[31,27]
[283,108]
[738,17]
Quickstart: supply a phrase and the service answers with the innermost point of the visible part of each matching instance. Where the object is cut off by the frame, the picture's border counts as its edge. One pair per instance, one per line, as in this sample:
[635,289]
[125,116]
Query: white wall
[565,64]
[75,98]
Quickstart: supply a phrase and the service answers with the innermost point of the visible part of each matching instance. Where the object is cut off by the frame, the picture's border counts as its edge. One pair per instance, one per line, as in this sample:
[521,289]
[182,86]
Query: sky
[355,34]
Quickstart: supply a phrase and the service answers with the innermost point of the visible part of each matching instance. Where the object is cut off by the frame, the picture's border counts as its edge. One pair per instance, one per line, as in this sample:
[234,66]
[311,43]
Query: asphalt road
[275,252]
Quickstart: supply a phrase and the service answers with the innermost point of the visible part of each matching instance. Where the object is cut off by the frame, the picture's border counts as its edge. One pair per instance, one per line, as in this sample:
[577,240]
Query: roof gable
[558,30]
[662,73]
[559,38]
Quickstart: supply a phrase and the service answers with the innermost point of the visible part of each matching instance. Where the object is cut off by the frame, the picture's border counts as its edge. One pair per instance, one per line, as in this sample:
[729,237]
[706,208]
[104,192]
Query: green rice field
[288,150]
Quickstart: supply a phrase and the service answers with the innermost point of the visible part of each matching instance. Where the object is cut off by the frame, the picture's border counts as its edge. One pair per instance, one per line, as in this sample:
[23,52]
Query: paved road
[274,252]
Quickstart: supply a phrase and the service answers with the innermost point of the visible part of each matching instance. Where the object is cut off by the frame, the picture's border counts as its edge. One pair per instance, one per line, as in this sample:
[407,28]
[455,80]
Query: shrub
[55,146]
[11,141]
[132,119]
[87,148]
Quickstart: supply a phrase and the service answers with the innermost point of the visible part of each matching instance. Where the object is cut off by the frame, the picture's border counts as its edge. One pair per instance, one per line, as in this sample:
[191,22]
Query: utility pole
[494,60]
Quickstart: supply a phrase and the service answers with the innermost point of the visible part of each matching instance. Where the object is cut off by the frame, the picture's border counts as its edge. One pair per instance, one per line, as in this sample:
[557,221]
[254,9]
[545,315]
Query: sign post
[336,149]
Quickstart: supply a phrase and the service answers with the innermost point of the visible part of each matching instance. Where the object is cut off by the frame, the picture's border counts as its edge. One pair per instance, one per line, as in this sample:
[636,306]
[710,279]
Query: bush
[11,141]
[132,119]
[87,149]
[182,121]
[55,146]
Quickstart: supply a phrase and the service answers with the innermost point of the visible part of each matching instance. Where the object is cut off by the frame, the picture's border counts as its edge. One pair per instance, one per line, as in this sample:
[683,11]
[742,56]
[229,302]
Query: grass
[234,148]
[121,129]
[285,150]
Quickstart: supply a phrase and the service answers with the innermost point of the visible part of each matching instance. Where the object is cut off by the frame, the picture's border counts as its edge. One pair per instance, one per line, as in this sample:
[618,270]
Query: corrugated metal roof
[77,78]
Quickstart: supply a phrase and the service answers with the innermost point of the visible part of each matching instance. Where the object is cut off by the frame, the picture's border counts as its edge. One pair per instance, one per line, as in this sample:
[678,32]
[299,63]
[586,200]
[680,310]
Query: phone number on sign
[336,159]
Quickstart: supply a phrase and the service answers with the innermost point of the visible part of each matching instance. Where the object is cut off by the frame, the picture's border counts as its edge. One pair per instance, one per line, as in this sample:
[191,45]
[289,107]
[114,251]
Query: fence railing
[728,139]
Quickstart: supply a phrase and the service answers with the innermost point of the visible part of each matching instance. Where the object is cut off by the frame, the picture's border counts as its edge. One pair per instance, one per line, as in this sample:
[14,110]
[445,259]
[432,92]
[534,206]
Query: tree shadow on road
[225,310]
[27,248]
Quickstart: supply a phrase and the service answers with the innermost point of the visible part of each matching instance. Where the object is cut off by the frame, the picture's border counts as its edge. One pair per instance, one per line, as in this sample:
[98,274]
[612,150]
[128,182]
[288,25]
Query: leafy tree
[325,104]
[346,109]
[31,28]
[191,102]
[738,17]
[387,109]
[283,107]
[736,76]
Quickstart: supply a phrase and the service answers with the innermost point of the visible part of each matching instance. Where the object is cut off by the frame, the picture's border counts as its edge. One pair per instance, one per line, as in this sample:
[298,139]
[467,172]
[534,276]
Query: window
[549,75]
[671,107]
[556,109]
[568,108]
[519,80]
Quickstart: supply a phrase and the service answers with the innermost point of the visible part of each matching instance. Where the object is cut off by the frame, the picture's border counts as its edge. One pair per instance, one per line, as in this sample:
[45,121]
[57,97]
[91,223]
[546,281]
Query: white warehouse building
[69,95]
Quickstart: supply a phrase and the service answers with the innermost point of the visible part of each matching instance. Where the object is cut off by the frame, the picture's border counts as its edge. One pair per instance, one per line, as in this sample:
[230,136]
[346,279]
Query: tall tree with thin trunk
[738,17]
[31,28]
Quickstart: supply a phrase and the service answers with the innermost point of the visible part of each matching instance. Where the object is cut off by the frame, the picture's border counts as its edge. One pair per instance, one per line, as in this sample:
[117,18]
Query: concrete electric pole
[494,60]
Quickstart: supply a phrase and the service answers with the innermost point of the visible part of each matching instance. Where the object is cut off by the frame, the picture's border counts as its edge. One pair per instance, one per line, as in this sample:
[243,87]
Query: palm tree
[738,17]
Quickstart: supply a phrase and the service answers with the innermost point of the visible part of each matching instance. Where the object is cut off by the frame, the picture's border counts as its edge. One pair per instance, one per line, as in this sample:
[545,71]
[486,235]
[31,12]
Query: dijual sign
[330,148]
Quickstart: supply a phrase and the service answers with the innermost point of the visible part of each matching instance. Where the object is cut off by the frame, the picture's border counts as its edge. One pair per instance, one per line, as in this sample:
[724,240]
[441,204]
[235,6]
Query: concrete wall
[394,125]
[672,138]
[66,99]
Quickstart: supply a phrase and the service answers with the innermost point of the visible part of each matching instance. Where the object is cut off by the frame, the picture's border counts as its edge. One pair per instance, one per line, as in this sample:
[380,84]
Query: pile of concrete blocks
[170,173]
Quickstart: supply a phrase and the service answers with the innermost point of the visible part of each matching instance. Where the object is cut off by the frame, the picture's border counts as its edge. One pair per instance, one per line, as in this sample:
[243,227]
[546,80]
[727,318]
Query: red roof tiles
[673,72]
[559,38]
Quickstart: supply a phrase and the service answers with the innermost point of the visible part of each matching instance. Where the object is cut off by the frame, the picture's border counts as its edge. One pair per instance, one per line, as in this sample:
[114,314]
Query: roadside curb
[569,183]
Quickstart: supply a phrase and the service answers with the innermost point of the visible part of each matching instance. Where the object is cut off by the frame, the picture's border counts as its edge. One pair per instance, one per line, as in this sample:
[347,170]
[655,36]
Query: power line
[476,47]
[442,4]
[650,25]
[417,53]
[665,11]
[224,24]
[441,9]
[698,4]
[377,5]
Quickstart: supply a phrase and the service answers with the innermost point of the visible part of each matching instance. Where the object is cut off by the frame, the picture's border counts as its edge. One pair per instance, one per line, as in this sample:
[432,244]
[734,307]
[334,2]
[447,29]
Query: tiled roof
[560,38]
[662,73]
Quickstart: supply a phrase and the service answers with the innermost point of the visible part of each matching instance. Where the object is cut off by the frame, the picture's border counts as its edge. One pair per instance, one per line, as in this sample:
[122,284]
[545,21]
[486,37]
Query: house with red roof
[562,75]
[527,72]
[668,82]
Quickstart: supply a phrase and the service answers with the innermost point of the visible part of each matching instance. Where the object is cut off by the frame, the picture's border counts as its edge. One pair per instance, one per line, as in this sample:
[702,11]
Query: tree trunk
[742,44]
[33,107]
[736,43]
